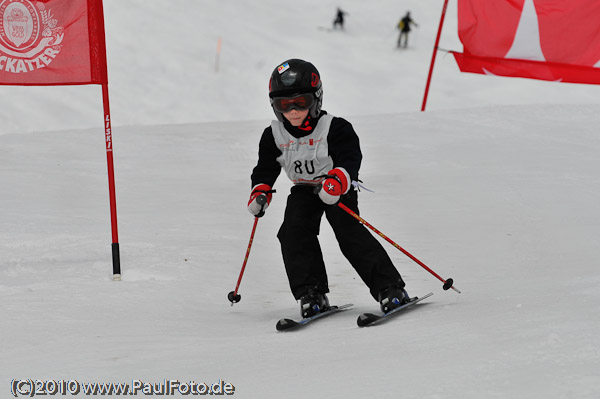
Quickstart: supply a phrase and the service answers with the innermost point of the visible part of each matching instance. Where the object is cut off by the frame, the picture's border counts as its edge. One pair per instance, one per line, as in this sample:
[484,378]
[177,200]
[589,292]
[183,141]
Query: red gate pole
[437,41]
[116,258]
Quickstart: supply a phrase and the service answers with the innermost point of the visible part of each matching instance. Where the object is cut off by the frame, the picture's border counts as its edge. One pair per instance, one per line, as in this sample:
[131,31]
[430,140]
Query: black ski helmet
[296,76]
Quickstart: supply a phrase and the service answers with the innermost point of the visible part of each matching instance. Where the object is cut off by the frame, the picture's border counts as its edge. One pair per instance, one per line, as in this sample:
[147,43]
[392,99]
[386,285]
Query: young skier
[321,155]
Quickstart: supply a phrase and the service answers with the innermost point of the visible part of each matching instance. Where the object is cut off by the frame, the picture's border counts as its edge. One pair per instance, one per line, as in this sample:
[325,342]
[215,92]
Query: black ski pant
[302,254]
[403,35]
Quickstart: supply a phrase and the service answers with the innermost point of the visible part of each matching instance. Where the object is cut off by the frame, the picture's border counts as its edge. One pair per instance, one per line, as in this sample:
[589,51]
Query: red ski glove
[334,186]
[257,206]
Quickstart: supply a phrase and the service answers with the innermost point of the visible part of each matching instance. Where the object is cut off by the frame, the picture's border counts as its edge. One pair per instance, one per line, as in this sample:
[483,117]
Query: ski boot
[312,303]
[392,297]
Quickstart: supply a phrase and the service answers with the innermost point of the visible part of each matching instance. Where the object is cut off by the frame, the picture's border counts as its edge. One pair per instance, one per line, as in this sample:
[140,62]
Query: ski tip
[365,319]
[285,324]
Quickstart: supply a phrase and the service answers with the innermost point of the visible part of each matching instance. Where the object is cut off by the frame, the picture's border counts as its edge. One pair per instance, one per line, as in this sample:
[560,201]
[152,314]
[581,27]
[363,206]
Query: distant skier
[339,19]
[404,27]
[321,154]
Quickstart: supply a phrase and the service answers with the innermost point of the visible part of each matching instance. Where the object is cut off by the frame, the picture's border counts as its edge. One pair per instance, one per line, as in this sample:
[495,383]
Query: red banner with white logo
[52,42]
[557,40]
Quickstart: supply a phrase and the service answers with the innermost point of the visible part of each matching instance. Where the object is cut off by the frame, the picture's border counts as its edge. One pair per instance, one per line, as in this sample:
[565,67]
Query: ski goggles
[299,102]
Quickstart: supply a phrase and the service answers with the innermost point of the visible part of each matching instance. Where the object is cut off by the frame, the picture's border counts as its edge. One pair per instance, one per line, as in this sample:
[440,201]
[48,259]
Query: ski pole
[447,283]
[233,296]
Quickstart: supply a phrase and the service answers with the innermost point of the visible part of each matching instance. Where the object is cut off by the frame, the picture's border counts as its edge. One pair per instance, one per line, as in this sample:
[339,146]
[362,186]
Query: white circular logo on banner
[20,24]
[29,36]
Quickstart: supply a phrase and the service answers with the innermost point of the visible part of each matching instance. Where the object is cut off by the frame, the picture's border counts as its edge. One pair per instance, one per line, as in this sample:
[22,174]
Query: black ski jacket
[343,146]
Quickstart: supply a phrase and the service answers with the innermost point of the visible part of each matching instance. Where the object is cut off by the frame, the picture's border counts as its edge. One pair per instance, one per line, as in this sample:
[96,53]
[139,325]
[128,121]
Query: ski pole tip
[233,297]
[448,284]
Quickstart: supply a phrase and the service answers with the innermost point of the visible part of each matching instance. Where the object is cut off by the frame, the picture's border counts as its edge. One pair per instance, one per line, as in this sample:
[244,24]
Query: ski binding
[288,324]
[369,319]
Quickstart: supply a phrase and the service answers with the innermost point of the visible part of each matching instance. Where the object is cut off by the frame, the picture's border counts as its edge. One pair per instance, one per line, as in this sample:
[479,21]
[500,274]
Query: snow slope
[496,186]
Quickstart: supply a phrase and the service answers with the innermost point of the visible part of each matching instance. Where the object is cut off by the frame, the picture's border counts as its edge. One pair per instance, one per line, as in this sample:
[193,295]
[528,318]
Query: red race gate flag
[555,40]
[59,42]
[52,42]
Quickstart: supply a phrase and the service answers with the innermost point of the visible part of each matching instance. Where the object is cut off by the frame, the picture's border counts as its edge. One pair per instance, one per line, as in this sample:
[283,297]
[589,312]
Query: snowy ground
[496,186]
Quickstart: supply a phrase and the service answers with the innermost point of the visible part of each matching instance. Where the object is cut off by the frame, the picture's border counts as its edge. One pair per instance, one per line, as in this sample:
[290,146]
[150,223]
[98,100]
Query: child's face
[296,117]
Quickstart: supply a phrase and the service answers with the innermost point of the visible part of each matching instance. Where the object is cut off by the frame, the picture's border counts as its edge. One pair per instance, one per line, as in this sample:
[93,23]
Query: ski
[369,319]
[288,324]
